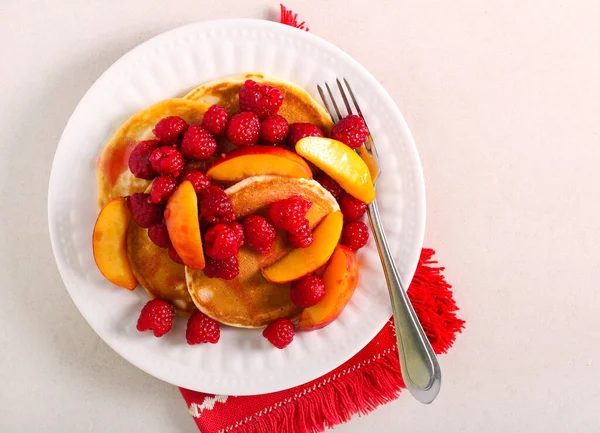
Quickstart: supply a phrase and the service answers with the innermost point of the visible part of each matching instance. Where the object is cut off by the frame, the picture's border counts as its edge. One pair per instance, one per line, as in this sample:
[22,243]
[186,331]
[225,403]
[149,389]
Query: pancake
[113,175]
[298,105]
[249,300]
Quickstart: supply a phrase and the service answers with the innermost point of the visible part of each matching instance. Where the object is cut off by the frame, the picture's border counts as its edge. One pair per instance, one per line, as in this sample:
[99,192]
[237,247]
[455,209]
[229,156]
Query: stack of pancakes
[249,300]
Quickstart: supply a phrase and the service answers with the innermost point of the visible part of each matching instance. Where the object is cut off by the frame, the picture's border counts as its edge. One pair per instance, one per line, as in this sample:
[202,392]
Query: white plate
[169,65]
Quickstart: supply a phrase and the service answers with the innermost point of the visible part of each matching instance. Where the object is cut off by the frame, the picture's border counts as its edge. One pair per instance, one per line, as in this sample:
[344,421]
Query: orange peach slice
[183,225]
[341,279]
[341,163]
[109,243]
[256,161]
[303,261]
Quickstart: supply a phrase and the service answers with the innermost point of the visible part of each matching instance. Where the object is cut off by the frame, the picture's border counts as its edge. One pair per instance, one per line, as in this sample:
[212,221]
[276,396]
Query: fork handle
[419,366]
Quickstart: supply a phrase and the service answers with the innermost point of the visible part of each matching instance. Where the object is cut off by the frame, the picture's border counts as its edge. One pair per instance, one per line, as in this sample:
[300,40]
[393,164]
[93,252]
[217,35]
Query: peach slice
[303,261]
[109,242]
[181,216]
[341,163]
[341,279]
[256,161]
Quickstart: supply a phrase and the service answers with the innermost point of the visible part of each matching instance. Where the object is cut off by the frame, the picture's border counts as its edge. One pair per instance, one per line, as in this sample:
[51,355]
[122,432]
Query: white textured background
[503,99]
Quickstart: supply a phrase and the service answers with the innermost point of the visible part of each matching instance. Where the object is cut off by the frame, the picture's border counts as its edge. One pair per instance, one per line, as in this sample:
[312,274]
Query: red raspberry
[162,188]
[226,269]
[280,333]
[221,242]
[215,120]
[156,315]
[198,180]
[263,100]
[302,237]
[198,143]
[307,291]
[167,160]
[355,235]
[202,329]
[289,214]
[274,129]
[215,206]
[170,129]
[330,185]
[352,208]
[239,232]
[351,130]
[159,234]
[139,160]
[260,233]
[144,213]
[301,130]
[244,129]
[173,255]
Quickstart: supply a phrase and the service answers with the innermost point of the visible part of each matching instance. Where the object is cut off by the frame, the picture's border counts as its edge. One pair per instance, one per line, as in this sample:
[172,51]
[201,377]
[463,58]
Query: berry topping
[162,188]
[198,180]
[202,329]
[170,129]
[352,208]
[139,160]
[215,206]
[215,120]
[263,100]
[244,129]
[302,237]
[260,233]
[280,333]
[239,232]
[226,269]
[156,315]
[198,143]
[159,234]
[144,213]
[307,291]
[351,130]
[355,235]
[274,129]
[330,185]
[173,255]
[167,160]
[289,214]
[221,242]
[301,130]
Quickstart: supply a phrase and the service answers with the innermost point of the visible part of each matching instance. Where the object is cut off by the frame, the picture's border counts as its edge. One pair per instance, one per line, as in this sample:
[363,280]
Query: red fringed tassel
[291,19]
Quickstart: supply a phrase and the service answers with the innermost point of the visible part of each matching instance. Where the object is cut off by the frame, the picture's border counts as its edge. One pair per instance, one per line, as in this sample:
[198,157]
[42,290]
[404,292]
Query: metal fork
[418,363]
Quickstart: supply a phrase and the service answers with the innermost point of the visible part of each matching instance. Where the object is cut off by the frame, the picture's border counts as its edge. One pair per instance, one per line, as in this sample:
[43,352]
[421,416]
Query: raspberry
[260,233]
[280,333]
[221,242]
[289,214]
[307,291]
[198,180]
[239,232]
[215,120]
[351,130]
[144,213]
[352,208]
[162,188]
[215,206]
[202,329]
[167,160]
[301,130]
[274,129]
[330,185]
[159,234]
[198,143]
[173,255]
[355,235]
[226,269]
[139,160]
[244,129]
[170,129]
[263,100]
[156,315]
[302,237]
